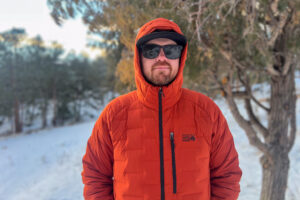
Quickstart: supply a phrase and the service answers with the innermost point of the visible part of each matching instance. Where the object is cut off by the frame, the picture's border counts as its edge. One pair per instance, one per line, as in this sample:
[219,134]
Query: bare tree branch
[234,3]
[230,58]
[194,14]
[278,28]
[253,119]
[252,16]
[199,23]
[274,7]
[249,92]
[213,73]
[259,104]
[240,94]
[246,125]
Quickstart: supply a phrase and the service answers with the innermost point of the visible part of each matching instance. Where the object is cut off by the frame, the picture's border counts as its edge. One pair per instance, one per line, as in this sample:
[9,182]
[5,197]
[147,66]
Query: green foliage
[6,95]
[232,26]
[282,5]
[117,22]
[45,81]
[63,113]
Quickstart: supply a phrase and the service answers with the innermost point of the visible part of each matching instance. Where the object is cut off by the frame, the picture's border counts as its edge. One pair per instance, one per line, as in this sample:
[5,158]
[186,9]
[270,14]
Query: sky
[34,16]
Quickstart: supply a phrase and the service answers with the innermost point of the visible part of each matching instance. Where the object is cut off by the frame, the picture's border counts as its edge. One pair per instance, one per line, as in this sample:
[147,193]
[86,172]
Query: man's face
[160,71]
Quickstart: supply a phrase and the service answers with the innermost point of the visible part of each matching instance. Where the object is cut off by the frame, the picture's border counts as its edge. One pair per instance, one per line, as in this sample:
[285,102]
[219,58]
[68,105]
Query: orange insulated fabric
[122,160]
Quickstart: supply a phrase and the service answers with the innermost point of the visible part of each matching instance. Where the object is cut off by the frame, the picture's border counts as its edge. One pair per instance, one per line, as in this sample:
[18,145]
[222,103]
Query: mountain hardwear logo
[188,137]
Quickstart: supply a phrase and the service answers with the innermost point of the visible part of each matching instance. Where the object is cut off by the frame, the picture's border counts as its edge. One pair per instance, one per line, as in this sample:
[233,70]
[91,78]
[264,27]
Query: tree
[118,29]
[5,97]
[42,63]
[10,42]
[245,43]
[26,77]
[39,78]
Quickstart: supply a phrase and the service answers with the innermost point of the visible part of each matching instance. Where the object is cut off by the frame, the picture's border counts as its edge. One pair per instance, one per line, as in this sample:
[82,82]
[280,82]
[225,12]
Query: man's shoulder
[121,102]
[200,100]
[196,97]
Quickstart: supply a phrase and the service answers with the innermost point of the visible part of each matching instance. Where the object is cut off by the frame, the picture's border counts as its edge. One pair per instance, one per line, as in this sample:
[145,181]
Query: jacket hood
[146,92]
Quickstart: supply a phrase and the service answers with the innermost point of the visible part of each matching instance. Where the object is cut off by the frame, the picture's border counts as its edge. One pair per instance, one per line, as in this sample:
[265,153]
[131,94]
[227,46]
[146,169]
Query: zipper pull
[172,136]
[161,92]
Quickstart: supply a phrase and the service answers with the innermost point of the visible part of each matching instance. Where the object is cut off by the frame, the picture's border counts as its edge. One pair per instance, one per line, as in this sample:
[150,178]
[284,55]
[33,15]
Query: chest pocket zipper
[173,162]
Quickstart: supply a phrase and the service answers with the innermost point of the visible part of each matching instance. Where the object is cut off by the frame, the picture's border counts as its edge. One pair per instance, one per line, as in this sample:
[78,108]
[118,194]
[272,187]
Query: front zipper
[173,162]
[161,145]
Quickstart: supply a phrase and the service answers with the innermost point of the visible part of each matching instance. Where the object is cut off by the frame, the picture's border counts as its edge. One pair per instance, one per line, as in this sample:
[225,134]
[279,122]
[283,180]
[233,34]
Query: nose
[161,55]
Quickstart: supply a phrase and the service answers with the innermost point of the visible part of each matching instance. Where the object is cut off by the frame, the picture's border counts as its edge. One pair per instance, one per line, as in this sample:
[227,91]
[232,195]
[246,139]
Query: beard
[162,77]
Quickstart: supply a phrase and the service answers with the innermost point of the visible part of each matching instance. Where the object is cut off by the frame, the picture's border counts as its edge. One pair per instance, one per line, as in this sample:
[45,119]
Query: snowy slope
[44,165]
[47,165]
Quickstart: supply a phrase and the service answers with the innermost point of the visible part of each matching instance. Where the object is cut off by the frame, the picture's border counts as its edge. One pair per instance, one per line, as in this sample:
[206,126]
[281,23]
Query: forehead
[161,41]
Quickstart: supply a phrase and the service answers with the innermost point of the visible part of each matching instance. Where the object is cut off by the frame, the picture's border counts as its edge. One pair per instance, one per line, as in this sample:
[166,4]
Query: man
[161,142]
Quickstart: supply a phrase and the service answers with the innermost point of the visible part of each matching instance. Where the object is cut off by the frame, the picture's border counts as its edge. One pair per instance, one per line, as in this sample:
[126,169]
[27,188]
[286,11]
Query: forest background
[234,45]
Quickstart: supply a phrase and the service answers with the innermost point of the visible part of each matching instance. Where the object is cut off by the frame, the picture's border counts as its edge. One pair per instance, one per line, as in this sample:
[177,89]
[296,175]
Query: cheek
[175,65]
[146,66]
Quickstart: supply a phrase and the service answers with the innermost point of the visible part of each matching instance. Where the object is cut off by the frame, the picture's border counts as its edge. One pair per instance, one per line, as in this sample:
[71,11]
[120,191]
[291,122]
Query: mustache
[158,63]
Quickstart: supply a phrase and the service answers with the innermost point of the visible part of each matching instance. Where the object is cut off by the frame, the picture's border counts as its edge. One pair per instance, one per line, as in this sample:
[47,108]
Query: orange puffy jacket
[164,143]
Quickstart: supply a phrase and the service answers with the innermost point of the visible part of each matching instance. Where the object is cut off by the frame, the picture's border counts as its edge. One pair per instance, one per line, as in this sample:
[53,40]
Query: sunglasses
[151,51]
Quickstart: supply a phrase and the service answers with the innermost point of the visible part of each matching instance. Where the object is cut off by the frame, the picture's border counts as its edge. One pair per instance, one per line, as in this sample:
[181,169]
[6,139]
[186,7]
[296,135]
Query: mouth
[161,67]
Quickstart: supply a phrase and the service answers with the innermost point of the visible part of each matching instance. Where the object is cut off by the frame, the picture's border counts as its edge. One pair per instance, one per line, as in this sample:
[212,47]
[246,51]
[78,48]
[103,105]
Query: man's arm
[98,164]
[225,173]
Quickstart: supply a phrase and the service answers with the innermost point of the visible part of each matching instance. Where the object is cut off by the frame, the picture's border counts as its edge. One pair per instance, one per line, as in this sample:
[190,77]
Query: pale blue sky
[33,15]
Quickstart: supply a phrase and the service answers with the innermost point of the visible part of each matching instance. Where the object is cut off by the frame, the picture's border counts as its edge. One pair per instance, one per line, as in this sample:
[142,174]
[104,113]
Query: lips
[162,67]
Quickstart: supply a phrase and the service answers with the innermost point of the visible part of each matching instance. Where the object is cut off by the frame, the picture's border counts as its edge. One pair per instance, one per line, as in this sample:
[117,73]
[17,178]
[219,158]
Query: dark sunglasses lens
[150,51]
[172,51]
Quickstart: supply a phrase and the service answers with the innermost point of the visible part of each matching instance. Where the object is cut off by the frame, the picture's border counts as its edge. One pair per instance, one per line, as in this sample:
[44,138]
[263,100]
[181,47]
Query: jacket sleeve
[98,164]
[225,173]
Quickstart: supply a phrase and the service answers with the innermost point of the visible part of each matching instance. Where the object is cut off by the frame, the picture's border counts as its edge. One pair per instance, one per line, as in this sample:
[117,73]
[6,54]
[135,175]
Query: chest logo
[188,137]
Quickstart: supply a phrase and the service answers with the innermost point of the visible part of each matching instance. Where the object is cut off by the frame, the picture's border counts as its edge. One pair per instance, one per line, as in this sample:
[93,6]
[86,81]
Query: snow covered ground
[47,165]
[44,165]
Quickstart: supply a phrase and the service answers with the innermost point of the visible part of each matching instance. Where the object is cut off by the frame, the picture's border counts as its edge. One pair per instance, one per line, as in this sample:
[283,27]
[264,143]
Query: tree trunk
[275,176]
[18,125]
[16,103]
[44,114]
[276,165]
[54,99]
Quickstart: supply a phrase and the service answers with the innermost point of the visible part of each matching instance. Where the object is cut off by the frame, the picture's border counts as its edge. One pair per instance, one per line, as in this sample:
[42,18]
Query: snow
[46,165]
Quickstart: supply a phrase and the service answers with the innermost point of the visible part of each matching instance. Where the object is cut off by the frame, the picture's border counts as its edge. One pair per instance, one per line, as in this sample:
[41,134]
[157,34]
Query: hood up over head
[148,93]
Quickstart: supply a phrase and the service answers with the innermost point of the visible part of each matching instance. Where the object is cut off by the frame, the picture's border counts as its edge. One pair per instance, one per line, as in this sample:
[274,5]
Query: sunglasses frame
[164,50]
